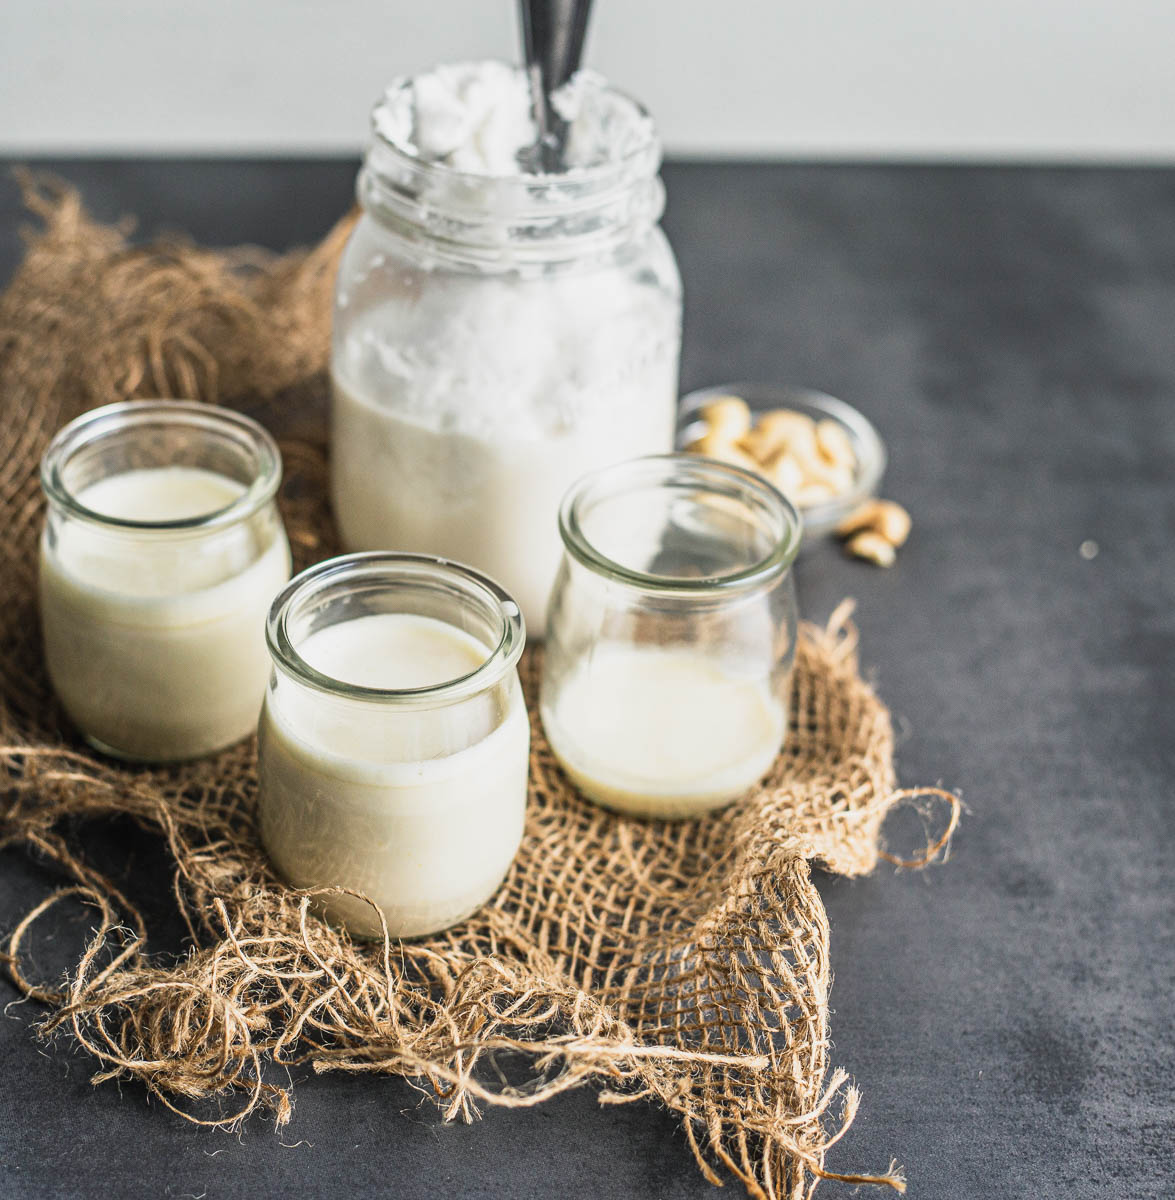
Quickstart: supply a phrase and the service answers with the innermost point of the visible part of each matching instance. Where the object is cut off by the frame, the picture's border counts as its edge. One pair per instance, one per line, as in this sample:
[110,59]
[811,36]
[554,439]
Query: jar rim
[520,221]
[594,173]
[111,419]
[373,566]
[683,471]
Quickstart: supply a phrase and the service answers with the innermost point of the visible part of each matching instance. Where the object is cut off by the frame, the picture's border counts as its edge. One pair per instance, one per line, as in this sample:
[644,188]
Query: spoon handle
[553,33]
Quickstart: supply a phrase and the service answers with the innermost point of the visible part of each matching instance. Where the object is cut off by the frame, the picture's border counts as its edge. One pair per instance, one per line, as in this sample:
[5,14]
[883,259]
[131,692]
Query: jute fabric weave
[685,963]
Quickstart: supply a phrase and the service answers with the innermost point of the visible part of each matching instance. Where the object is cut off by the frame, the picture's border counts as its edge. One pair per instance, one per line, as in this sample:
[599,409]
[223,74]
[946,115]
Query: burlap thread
[682,963]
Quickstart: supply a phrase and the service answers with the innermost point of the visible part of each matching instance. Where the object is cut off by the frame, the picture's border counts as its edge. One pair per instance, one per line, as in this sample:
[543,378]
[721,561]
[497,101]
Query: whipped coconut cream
[476,117]
[498,334]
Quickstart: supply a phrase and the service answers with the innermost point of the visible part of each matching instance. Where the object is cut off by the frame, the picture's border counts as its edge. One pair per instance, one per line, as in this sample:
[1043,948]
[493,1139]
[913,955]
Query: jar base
[366,933]
[673,809]
[145,760]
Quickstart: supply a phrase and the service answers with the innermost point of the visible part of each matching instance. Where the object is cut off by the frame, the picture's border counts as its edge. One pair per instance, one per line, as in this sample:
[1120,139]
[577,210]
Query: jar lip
[372,566]
[690,470]
[99,422]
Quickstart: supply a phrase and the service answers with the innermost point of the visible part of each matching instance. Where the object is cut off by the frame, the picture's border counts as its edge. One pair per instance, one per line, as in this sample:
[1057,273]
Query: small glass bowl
[819,519]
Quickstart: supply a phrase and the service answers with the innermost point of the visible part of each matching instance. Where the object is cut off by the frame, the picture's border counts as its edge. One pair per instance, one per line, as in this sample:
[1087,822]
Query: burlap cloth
[682,963]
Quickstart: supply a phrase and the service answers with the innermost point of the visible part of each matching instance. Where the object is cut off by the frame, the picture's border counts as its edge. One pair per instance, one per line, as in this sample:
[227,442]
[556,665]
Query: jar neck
[512,222]
[358,585]
[147,434]
[681,527]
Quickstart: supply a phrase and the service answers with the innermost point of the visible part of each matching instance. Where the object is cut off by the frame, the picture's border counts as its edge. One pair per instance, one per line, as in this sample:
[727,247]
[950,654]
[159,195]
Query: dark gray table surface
[1009,1016]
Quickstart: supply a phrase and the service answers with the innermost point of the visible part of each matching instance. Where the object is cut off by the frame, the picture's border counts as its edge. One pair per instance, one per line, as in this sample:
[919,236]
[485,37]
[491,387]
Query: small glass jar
[495,338]
[161,552]
[394,741]
[672,634]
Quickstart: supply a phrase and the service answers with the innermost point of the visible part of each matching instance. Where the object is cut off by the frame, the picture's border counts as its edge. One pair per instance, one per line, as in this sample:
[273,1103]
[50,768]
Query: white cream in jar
[393,746]
[663,731]
[156,575]
[498,334]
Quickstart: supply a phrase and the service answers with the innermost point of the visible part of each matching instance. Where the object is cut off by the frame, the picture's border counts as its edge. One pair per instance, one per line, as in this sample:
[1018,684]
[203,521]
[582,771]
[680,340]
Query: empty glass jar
[671,634]
[161,553]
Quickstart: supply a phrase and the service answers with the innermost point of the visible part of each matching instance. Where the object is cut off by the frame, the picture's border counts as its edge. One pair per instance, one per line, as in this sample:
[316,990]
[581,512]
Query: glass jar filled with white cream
[161,552]
[394,742]
[498,332]
[671,635]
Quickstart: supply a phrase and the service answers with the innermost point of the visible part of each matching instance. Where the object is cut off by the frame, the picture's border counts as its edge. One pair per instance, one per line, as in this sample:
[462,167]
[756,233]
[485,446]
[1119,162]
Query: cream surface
[662,732]
[393,651]
[421,810]
[155,641]
[161,494]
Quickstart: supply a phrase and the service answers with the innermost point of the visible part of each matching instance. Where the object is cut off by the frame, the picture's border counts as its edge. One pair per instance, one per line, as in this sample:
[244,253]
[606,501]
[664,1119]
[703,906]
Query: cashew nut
[872,547]
[727,417]
[836,447]
[776,430]
[785,473]
[811,494]
[713,446]
[884,517]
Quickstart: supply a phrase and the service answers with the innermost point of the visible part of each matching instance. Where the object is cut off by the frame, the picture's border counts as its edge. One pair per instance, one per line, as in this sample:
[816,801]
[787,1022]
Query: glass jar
[394,741]
[495,338]
[161,552]
[672,634]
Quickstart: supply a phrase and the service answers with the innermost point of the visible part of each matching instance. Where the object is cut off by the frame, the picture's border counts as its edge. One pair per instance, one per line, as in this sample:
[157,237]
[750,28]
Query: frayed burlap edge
[684,963]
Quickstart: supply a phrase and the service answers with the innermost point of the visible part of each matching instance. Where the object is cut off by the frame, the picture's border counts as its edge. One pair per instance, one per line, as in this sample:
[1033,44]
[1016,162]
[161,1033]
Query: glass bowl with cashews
[820,452]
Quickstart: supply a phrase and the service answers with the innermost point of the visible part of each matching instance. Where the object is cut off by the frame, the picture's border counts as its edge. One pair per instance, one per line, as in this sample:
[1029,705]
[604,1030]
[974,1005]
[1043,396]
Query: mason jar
[671,635]
[495,338]
[394,741]
[162,550]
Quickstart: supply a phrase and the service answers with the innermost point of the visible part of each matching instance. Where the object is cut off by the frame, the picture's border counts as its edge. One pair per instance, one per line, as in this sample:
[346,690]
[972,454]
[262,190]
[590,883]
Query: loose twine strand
[685,964]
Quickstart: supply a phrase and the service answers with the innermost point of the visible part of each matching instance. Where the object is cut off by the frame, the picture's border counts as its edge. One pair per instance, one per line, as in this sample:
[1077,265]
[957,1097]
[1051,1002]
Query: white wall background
[981,79]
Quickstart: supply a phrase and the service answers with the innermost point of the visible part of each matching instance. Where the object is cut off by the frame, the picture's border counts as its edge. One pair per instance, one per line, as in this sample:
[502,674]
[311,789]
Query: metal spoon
[553,33]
